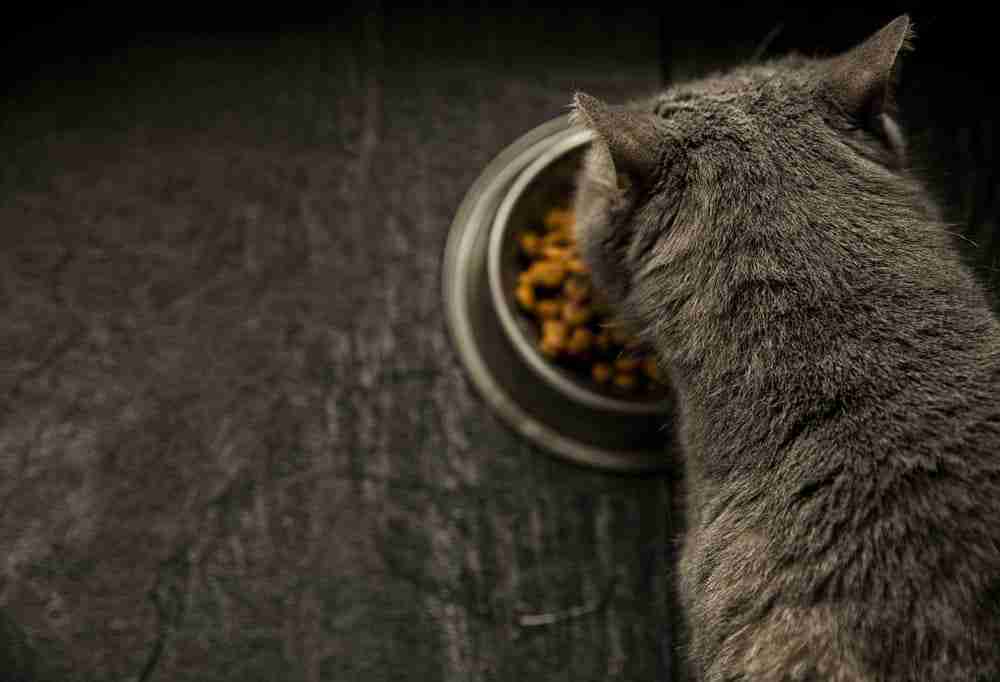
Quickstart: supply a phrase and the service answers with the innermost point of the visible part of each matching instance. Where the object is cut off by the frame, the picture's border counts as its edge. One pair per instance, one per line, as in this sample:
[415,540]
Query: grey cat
[837,370]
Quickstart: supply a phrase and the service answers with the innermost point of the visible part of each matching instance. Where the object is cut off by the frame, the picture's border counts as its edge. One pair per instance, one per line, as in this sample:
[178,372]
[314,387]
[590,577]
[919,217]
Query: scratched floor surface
[235,442]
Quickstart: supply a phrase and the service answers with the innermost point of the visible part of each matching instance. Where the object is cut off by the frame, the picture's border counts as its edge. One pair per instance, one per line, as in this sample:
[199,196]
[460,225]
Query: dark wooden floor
[235,442]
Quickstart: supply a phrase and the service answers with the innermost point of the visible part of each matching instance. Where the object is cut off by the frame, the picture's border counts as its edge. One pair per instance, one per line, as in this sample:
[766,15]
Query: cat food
[574,329]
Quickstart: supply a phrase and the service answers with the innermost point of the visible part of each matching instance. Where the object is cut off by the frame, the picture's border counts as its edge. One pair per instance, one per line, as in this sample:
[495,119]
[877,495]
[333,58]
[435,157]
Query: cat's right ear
[860,81]
[626,140]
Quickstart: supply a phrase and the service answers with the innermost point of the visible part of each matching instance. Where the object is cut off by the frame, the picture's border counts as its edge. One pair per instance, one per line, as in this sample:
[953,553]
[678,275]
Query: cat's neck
[776,362]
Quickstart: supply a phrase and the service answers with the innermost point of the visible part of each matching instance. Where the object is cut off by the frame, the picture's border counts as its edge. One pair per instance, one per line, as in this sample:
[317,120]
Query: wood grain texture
[236,441]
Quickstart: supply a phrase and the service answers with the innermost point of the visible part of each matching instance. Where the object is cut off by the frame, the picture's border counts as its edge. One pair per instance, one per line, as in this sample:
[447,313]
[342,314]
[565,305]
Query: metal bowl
[585,430]
[548,181]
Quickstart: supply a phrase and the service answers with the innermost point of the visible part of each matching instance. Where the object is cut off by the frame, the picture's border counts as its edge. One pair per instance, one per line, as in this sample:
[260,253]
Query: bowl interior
[552,184]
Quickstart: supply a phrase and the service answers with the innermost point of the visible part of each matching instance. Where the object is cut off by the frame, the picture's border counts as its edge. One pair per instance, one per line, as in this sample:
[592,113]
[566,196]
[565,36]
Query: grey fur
[837,370]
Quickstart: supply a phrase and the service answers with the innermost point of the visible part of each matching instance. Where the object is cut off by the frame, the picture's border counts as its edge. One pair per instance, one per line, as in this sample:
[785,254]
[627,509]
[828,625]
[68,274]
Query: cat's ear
[626,138]
[860,81]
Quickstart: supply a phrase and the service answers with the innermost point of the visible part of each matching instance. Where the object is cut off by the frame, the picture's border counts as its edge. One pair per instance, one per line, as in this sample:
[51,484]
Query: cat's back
[874,552]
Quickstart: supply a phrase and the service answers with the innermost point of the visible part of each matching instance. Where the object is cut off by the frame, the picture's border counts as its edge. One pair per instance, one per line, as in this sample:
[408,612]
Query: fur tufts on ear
[860,81]
[630,138]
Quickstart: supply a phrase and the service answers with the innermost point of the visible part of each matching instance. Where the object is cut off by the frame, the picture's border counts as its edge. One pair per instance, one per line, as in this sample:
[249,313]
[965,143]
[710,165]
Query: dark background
[235,442]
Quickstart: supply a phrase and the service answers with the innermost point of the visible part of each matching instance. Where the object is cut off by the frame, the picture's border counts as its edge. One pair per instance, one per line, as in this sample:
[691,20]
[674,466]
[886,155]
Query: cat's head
[760,159]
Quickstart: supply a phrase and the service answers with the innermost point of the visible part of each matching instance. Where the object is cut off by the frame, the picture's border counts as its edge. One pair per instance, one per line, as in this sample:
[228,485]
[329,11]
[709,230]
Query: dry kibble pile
[554,289]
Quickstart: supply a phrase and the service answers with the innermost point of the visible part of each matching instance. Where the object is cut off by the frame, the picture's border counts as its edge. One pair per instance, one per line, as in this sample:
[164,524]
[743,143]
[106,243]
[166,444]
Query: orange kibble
[580,341]
[576,313]
[576,289]
[559,253]
[531,244]
[601,372]
[650,368]
[550,348]
[525,295]
[557,238]
[626,380]
[547,273]
[627,363]
[559,218]
[556,331]
[549,308]
[575,322]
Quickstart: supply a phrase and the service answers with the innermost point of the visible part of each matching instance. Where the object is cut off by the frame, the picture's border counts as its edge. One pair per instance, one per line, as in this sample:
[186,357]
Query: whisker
[766,42]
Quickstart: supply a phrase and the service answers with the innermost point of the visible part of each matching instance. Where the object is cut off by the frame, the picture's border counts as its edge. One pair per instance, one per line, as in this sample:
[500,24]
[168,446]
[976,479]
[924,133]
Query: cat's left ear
[860,81]
[629,139]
